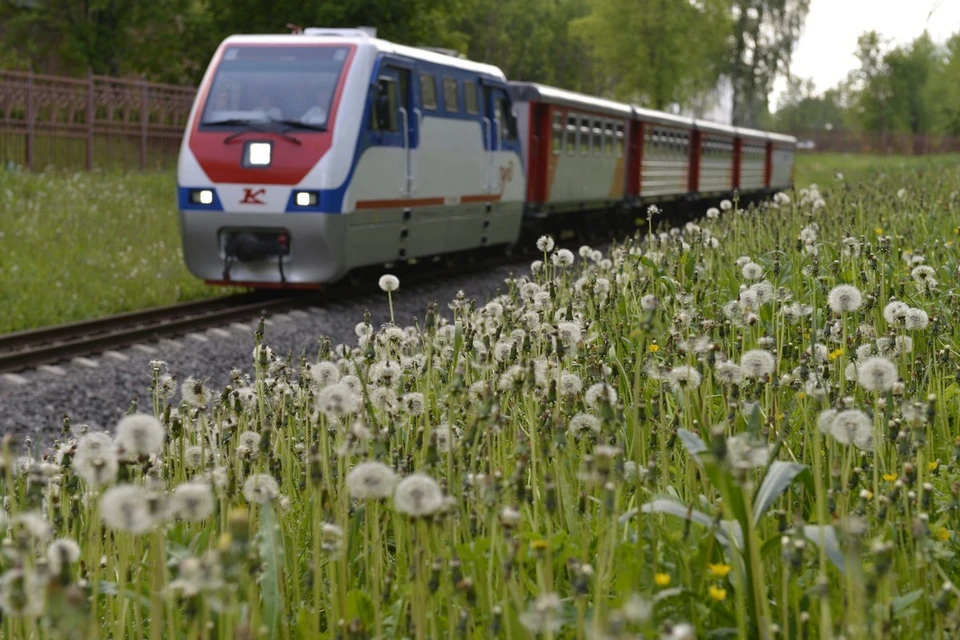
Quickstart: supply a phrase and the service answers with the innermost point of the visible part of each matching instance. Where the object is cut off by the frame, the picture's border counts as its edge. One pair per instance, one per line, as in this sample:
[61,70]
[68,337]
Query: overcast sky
[829,38]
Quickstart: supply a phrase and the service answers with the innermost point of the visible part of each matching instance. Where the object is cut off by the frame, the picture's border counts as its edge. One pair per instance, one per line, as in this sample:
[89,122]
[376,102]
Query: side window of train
[386,103]
[608,138]
[557,133]
[451,97]
[428,90]
[597,138]
[620,140]
[584,137]
[571,135]
[471,98]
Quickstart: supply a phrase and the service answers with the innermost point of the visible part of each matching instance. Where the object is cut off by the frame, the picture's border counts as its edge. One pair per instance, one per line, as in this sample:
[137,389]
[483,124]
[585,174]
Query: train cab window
[571,135]
[451,97]
[584,137]
[470,97]
[557,134]
[620,140]
[597,138]
[608,138]
[504,115]
[428,91]
[386,106]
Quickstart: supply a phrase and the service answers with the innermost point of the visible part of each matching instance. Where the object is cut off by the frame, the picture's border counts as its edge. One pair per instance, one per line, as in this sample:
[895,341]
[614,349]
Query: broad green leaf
[271,553]
[902,604]
[779,476]
[827,536]
[723,532]
[692,443]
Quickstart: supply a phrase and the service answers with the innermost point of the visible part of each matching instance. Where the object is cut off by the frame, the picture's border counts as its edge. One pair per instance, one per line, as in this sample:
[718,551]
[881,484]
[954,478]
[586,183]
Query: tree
[657,52]
[764,35]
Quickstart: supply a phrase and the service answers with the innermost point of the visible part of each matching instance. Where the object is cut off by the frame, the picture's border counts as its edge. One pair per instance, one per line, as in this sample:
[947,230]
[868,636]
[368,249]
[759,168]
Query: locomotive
[310,155]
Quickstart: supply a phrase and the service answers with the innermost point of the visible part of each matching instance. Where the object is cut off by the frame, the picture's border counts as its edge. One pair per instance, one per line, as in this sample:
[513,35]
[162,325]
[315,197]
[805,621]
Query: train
[311,155]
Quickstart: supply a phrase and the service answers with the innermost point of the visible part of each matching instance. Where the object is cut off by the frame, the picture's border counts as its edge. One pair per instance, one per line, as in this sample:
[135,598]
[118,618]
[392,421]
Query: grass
[75,246]
[821,168]
[729,431]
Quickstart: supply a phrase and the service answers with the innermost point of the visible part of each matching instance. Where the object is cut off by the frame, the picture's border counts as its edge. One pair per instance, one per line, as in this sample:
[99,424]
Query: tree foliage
[913,88]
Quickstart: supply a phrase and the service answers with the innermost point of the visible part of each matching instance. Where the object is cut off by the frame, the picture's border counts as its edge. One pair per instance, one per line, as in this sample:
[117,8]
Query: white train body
[309,155]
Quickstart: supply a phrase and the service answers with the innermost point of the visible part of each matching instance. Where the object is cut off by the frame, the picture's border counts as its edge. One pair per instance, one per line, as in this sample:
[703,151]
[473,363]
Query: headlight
[306,198]
[201,196]
[258,154]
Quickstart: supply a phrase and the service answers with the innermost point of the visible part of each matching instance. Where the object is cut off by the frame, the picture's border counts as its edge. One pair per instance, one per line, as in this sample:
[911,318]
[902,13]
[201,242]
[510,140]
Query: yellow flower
[868,496]
[836,353]
[718,570]
[943,534]
[932,466]
[538,545]
[718,593]
[662,579]
[653,348]
[878,231]
[801,395]
[889,477]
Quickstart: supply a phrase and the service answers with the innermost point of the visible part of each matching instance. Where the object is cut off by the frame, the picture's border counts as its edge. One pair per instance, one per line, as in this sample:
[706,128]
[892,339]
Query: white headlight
[206,197]
[303,199]
[258,154]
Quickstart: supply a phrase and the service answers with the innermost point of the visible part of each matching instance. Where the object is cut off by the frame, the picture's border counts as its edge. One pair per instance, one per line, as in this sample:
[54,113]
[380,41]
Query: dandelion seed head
[684,378]
[125,508]
[193,501]
[418,495]
[389,283]
[583,424]
[95,459]
[845,298]
[916,319]
[598,391]
[757,363]
[752,271]
[877,374]
[261,488]
[140,434]
[371,481]
[545,244]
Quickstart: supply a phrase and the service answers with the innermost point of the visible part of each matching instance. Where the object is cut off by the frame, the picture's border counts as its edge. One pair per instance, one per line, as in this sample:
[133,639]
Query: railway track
[30,349]
[50,345]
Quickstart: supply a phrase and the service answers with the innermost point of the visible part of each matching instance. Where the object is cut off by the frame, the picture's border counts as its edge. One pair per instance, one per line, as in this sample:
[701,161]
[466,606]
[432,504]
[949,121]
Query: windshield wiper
[299,124]
[251,125]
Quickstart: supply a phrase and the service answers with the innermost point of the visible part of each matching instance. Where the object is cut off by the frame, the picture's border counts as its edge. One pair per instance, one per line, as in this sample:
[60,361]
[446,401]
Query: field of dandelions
[745,427]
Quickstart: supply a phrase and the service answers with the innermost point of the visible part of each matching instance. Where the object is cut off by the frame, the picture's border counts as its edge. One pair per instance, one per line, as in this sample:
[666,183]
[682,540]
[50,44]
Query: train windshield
[273,83]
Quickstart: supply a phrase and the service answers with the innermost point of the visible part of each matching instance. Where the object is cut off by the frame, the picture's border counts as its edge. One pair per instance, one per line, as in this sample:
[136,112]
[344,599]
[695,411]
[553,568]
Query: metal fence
[110,123]
[910,144]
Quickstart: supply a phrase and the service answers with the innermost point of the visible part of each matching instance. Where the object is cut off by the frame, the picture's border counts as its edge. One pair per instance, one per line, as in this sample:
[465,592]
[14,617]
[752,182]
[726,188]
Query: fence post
[91,114]
[30,109]
[143,124]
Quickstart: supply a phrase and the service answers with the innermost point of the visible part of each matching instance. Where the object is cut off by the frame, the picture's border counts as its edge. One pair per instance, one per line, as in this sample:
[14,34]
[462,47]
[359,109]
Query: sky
[825,51]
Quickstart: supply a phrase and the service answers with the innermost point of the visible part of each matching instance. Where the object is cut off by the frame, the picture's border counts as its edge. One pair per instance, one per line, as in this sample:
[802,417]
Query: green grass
[821,168]
[75,246]
[610,449]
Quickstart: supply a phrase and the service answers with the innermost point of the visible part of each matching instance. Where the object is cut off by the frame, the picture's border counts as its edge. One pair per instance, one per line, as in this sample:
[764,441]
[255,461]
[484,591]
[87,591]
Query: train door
[395,120]
[500,134]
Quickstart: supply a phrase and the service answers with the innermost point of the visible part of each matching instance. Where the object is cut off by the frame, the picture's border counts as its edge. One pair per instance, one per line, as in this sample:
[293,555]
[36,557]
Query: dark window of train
[608,138]
[584,137]
[597,138]
[387,87]
[557,133]
[504,115]
[571,135]
[428,91]
[451,97]
[470,97]
[620,140]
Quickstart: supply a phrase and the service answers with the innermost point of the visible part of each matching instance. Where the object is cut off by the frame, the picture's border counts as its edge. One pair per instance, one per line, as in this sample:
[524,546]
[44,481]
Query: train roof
[781,138]
[715,127]
[533,92]
[362,40]
[661,117]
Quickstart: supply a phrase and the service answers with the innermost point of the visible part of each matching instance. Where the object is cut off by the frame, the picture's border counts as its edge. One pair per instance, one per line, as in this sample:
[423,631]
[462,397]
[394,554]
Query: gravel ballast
[99,395]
